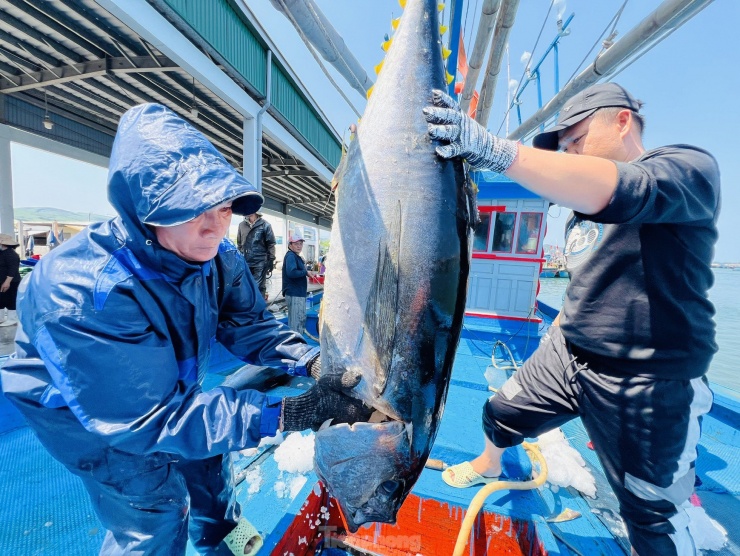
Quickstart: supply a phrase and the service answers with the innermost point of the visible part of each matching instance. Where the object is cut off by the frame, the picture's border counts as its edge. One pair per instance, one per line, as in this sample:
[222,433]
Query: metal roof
[85,67]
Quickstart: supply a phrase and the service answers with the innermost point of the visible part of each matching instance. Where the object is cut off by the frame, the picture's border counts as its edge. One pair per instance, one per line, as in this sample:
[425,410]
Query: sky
[689,83]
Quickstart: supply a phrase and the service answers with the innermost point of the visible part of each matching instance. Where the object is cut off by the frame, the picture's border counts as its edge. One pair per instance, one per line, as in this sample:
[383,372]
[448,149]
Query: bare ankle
[483,465]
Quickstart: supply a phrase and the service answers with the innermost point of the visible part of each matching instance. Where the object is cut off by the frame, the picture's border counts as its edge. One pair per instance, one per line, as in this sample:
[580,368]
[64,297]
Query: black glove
[328,399]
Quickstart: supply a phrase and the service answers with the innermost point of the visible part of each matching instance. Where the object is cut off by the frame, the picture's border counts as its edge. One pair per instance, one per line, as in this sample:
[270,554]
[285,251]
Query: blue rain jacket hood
[164,172]
[118,331]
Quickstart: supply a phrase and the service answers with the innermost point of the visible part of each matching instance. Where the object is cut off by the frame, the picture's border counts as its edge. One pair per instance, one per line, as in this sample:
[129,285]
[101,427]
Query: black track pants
[644,430]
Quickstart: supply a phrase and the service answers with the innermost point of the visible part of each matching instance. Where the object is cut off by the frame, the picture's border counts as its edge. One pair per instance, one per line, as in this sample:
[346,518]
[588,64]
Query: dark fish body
[397,276]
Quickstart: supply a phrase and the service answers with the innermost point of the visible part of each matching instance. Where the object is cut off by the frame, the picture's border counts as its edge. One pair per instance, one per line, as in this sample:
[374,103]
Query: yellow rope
[320,319]
[477,502]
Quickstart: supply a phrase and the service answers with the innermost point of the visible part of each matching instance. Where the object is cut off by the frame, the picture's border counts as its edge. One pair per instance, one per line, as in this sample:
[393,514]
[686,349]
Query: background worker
[295,283]
[10,278]
[116,327]
[256,241]
[636,333]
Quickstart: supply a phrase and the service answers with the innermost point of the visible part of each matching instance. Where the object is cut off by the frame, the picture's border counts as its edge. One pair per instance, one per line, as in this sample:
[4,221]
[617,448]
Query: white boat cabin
[508,250]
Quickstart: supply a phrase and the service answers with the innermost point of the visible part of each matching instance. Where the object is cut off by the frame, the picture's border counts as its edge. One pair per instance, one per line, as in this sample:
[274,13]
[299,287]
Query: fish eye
[389,487]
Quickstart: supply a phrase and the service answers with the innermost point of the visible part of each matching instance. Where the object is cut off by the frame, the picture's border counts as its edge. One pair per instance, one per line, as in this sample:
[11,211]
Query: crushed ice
[295,454]
[565,466]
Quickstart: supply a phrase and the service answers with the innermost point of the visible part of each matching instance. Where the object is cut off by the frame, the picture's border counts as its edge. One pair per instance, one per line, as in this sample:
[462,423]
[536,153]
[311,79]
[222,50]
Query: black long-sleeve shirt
[10,264]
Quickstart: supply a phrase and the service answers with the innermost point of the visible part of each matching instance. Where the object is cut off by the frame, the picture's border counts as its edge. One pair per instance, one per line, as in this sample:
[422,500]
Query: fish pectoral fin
[329,364]
[471,195]
[382,304]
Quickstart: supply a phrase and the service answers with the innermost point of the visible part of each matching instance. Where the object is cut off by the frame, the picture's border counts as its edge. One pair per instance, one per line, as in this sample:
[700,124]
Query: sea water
[725,294]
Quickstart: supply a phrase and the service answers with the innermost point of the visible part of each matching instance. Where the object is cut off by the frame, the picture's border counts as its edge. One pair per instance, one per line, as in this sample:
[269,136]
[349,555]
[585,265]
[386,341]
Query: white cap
[296,236]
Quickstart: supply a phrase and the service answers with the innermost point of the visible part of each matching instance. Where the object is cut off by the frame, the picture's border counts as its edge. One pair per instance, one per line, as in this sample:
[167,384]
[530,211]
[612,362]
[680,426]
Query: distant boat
[554,271]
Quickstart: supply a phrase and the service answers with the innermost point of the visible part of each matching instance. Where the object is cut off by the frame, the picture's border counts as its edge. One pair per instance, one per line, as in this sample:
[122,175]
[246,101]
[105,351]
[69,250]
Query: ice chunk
[253,477]
[706,532]
[565,466]
[295,454]
[272,440]
[295,485]
[280,489]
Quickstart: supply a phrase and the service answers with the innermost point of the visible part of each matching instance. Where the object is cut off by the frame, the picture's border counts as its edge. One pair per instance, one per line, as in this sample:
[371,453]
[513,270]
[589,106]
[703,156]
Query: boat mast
[504,23]
[668,17]
[311,23]
[475,61]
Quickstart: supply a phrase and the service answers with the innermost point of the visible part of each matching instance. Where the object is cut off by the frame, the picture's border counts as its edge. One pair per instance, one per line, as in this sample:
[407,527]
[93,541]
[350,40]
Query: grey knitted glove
[314,367]
[329,399]
[467,138]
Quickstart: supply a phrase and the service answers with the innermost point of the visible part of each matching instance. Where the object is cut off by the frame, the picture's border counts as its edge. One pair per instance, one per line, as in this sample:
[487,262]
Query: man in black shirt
[10,278]
[635,335]
[256,241]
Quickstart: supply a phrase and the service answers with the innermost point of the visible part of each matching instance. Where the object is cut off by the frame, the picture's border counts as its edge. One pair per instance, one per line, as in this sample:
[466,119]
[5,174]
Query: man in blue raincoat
[116,327]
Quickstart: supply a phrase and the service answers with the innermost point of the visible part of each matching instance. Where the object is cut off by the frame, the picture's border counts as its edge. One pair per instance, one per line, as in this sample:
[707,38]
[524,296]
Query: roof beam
[96,104]
[280,161]
[102,93]
[166,90]
[117,41]
[59,25]
[105,27]
[190,53]
[146,47]
[222,141]
[85,70]
[21,26]
[28,48]
[18,61]
[309,201]
[287,172]
[86,118]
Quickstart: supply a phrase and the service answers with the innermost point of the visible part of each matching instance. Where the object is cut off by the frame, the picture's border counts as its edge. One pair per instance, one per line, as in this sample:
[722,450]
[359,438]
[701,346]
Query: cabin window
[528,238]
[503,232]
[480,239]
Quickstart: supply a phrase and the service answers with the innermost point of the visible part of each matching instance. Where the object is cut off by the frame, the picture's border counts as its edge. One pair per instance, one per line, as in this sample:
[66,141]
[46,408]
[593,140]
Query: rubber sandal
[244,539]
[462,475]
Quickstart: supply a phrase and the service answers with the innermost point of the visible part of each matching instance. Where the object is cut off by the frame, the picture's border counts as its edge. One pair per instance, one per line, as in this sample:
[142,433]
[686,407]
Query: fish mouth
[379,417]
[365,467]
[382,507]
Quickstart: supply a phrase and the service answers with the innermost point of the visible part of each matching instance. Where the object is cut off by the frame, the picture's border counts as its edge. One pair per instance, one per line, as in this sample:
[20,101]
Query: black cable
[532,312]
[613,22]
[647,49]
[465,19]
[472,26]
[519,85]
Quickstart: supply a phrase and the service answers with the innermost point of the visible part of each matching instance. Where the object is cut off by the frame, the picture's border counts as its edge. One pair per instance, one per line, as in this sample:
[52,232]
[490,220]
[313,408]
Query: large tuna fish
[396,282]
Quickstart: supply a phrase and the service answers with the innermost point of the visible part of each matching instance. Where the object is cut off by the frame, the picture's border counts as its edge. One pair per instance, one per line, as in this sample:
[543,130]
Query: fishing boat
[44,509]
[550,270]
[294,513]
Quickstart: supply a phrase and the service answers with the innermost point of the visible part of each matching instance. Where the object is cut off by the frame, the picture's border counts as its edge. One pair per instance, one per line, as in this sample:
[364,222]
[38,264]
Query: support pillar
[6,187]
[252,152]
